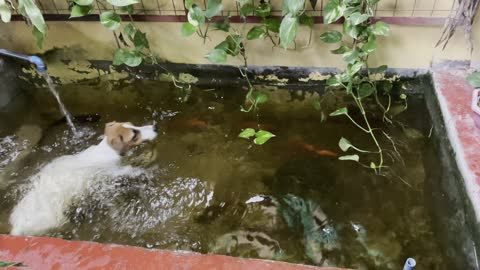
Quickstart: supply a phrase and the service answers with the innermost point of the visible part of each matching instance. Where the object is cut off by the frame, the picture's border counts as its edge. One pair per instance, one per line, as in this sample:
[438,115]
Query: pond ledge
[454,95]
[45,253]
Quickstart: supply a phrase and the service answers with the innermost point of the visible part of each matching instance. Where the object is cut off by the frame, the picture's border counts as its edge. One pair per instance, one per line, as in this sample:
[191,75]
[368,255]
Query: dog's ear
[117,144]
[110,124]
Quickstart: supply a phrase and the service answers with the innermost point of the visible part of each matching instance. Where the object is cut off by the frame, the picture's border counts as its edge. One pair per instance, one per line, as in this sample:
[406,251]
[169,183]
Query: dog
[66,178]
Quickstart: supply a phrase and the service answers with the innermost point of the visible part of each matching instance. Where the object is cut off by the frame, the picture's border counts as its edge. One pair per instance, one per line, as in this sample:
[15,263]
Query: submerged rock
[248,244]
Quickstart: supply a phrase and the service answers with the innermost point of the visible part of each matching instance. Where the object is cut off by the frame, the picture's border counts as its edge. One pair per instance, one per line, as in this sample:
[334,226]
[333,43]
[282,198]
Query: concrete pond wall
[73,50]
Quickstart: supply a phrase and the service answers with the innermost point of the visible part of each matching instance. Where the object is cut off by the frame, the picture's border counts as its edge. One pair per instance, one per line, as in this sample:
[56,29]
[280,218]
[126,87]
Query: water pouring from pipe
[42,69]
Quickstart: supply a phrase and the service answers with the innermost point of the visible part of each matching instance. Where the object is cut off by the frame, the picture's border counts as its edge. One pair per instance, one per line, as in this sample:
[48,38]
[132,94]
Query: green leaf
[130,31]
[352,69]
[381,69]
[333,11]
[317,105]
[306,20]
[351,30]
[83,2]
[28,8]
[110,20]
[222,24]
[474,79]
[288,30]
[234,44]
[349,10]
[272,24]
[80,11]
[386,86]
[262,136]
[344,144]
[247,10]
[196,16]
[380,29]
[293,6]
[358,18]
[217,56]
[5,12]
[188,29]
[403,96]
[189,4]
[129,58]
[334,81]
[214,7]
[10,264]
[247,133]
[370,46]
[365,90]
[222,46]
[263,9]
[259,97]
[350,157]
[39,37]
[140,40]
[340,111]
[331,36]
[256,32]
[129,9]
[343,49]
[122,3]
[351,56]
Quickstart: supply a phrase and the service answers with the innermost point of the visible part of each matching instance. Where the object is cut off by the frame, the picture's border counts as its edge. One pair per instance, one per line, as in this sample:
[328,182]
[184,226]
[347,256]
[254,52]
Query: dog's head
[122,136]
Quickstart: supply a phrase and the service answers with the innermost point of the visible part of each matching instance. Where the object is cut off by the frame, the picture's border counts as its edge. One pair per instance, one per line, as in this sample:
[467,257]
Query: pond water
[199,187]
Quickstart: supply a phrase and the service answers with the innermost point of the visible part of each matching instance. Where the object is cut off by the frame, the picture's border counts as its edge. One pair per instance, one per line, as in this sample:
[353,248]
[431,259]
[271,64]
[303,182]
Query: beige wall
[407,47]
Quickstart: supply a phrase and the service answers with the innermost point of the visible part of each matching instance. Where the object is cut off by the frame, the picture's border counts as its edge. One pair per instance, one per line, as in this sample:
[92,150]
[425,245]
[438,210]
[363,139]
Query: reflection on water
[201,188]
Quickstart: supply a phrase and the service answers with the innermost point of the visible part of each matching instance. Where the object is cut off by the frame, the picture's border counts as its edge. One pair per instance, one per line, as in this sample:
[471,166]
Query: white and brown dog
[66,178]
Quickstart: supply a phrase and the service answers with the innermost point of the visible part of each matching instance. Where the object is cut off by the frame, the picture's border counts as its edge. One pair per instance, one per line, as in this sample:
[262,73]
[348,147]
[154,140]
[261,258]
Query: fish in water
[313,149]
[188,123]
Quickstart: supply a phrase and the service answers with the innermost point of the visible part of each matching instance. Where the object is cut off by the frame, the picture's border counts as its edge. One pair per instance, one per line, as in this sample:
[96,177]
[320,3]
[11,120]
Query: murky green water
[203,189]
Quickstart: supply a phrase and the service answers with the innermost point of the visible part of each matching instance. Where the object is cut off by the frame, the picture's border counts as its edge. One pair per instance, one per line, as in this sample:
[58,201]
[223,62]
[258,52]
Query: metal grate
[385,8]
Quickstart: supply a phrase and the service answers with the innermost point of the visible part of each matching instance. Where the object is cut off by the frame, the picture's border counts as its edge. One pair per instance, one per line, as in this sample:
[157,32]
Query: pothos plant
[279,32]
[133,46]
[357,41]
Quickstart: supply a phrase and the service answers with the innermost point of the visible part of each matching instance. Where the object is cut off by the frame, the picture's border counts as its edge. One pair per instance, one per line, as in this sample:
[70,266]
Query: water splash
[64,111]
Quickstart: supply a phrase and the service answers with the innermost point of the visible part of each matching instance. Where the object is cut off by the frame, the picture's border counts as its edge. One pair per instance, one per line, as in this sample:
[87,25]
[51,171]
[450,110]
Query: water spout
[42,69]
[410,264]
[37,61]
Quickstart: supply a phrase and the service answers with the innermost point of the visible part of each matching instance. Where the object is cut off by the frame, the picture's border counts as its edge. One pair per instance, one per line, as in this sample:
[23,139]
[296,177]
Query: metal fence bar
[414,8]
[395,7]
[433,7]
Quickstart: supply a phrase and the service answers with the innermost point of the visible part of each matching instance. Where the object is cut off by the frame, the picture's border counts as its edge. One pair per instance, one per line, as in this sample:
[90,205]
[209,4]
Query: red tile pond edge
[454,95]
[45,253]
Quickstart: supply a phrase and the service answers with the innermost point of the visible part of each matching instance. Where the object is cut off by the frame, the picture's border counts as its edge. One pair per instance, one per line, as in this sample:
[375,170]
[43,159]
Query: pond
[199,187]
